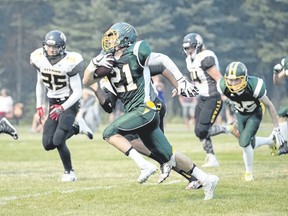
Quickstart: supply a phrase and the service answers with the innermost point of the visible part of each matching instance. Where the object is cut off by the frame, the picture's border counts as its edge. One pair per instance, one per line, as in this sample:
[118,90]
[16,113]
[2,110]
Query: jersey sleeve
[285,66]
[36,57]
[207,62]
[156,69]
[143,52]
[221,86]
[75,60]
[260,88]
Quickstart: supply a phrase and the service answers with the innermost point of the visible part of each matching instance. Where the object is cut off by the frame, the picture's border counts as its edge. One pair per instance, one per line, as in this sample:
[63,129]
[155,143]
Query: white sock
[199,174]
[284,129]
[260,141]
[139,160]
[248,155]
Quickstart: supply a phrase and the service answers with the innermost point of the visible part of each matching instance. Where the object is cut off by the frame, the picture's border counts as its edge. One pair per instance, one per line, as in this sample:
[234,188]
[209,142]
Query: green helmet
[236,71]
[120,35]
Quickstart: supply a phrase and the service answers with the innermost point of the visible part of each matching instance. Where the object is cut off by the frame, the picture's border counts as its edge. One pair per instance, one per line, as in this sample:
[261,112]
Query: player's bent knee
[201,132]
[109,131]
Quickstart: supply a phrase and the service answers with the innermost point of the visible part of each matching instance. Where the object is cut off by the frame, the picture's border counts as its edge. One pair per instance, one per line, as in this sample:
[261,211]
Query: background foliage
[254,32]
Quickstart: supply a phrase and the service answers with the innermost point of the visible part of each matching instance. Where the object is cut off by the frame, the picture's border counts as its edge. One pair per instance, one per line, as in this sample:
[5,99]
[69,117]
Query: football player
[131,80]
[204,70]
[248,94]
[7,127]
[58,71]
[108,102]
[280,72]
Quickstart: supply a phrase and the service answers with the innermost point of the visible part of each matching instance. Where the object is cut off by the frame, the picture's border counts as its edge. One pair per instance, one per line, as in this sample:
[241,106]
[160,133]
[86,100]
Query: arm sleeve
[75,84]
[161,59]
[39,90]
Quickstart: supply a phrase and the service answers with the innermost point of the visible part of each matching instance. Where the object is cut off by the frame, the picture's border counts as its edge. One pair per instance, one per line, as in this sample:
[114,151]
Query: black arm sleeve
[110,101]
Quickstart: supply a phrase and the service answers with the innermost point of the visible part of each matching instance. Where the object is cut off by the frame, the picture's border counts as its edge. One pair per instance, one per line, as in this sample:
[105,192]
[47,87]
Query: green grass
[30,180]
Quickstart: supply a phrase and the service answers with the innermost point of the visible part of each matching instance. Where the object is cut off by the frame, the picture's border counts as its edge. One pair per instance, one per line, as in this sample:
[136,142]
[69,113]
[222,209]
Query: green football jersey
[248,101]
[132,84]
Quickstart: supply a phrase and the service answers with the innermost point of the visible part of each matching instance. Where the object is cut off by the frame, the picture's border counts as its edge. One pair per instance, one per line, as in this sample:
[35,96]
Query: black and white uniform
[64,87]
[209,100]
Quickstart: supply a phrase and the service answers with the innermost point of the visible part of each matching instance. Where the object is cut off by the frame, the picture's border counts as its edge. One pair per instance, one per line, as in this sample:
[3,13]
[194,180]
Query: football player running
[108,99]
[280,72]
[204,70]
[58,71]
[248,94]
[132,82]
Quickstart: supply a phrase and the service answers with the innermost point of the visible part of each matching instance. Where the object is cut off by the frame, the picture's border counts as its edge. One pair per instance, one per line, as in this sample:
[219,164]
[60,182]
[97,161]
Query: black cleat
[6,127]
[283,149]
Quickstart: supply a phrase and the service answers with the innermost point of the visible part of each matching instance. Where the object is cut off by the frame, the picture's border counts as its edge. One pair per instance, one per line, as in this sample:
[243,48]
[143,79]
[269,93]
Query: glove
[40,113]
[186,88]
[230,104]
[103,60]
[56,111]
[278,137]
[277,68]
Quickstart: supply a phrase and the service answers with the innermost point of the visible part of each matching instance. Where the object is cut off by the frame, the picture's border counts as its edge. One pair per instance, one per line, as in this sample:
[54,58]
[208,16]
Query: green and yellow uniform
[249,107]
[132,83]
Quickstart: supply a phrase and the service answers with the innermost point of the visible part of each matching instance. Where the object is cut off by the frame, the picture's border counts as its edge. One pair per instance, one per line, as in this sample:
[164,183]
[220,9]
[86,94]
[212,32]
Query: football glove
[103,60]
[186,88]
[230,104]
[56,110]
[278,137]
[40,113]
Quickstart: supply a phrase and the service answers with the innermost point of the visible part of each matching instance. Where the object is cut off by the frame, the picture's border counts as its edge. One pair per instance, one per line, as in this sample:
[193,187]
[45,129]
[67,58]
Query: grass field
[30,180]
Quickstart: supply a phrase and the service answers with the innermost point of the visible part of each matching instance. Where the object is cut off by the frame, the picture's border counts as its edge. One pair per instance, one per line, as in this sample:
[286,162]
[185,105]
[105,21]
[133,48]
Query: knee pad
[201,131]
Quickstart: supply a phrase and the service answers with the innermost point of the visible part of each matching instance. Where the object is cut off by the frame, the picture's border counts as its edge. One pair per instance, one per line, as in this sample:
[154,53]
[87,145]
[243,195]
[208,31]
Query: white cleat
[84,129]
[248,177]
[146,172]
[211,161]
[68,176]
[165,170]
[209,186]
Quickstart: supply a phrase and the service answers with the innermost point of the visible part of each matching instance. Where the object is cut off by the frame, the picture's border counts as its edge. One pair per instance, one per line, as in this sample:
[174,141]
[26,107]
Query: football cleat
[248,177]
[84,129]
[68,176]
[146,172]
[165,170]
[194,185]
[210,161]
[209,186]
[283,149]
[6,127]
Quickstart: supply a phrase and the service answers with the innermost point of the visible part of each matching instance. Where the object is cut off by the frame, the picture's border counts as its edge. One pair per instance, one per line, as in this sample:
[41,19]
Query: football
[103,71]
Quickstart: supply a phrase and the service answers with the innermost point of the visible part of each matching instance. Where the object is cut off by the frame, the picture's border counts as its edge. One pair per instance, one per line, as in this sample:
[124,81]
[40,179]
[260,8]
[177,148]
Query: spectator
[6,104]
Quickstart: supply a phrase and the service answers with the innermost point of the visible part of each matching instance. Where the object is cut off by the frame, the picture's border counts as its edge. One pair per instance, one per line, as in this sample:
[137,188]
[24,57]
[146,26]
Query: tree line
[254,32]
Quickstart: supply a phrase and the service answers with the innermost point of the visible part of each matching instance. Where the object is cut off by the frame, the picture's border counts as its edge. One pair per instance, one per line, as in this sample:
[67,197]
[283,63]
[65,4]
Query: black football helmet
[55,38]
[192,40]
[120,35]
[234,71]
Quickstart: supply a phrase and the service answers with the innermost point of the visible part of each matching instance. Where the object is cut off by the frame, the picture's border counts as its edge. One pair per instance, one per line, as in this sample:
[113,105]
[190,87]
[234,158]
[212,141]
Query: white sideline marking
[5,200]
